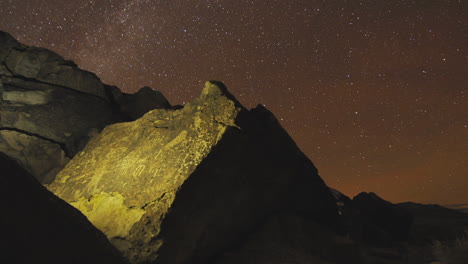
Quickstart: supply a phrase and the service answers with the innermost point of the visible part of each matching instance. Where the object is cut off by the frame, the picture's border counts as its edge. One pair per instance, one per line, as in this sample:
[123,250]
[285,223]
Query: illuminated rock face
[180,186]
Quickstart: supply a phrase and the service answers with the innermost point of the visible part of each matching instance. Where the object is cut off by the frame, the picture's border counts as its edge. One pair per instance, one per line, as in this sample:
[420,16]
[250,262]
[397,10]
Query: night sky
[374,92]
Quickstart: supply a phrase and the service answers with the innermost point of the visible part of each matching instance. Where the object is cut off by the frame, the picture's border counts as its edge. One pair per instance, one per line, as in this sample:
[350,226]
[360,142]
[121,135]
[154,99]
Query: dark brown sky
[374,92]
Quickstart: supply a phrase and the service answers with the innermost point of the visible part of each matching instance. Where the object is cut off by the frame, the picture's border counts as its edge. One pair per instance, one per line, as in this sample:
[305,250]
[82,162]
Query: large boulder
[38,227]
[180,186]
[49,108]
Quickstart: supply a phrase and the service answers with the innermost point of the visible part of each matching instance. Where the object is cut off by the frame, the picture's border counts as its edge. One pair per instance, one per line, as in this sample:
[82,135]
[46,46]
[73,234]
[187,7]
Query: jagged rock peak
[217,88]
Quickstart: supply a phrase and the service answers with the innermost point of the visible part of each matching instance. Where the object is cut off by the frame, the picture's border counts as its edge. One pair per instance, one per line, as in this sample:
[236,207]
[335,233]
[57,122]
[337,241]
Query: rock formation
[38,227]
[208,182]
[180,186]
[369,219]
[379,222]
[146,99]
[49,108]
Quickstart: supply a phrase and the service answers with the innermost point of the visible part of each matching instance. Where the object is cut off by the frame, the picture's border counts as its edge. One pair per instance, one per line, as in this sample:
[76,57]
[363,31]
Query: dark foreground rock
[379,222]
[38,227]
[50,108]
[371,220]
[436,223]
[289,238]
[182,186]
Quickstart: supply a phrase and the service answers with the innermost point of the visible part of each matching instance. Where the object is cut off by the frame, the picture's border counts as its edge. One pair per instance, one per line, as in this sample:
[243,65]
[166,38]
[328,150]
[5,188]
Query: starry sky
[373,92]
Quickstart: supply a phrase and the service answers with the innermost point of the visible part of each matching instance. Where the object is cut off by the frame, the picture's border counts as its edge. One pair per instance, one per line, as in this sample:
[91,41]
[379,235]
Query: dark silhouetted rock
[294,239]
[181,186]
[146,99]
[378,222]
[38,227]
[431,210]
[435,223]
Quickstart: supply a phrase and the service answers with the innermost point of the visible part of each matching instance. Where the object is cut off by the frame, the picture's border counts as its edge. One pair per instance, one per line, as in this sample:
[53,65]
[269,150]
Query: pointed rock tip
[217,88]
[214,88]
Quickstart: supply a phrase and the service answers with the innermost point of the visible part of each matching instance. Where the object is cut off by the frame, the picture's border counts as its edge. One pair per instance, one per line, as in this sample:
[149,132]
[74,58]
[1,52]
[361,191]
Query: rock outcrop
[38,227]
[375,221]
[146,99]
[181,186]
[50,108]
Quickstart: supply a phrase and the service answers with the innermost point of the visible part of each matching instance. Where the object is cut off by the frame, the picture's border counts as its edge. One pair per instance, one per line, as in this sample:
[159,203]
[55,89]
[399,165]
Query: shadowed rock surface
[50,108]
[146,99]
[38,227]
[294,239]
[435,223]
[378,222]
[181,186]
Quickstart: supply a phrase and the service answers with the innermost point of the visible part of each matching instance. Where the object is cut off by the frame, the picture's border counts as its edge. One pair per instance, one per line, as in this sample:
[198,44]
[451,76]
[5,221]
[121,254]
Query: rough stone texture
[65,116]
[146,99]
[61,117]
[180,186]
[48,107]
[38,156]
[42,95]
[48,67]
[38,227]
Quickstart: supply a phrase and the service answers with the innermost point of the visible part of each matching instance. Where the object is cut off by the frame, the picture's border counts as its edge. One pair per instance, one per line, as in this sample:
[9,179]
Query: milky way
[374,92]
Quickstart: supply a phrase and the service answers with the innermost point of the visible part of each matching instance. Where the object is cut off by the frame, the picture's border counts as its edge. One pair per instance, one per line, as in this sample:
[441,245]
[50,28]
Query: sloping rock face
[180,186]
[38,227]
[49,108]
[378,222]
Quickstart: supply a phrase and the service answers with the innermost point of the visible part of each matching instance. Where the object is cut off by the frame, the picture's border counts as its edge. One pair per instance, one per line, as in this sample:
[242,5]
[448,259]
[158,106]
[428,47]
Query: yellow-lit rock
[180,186]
